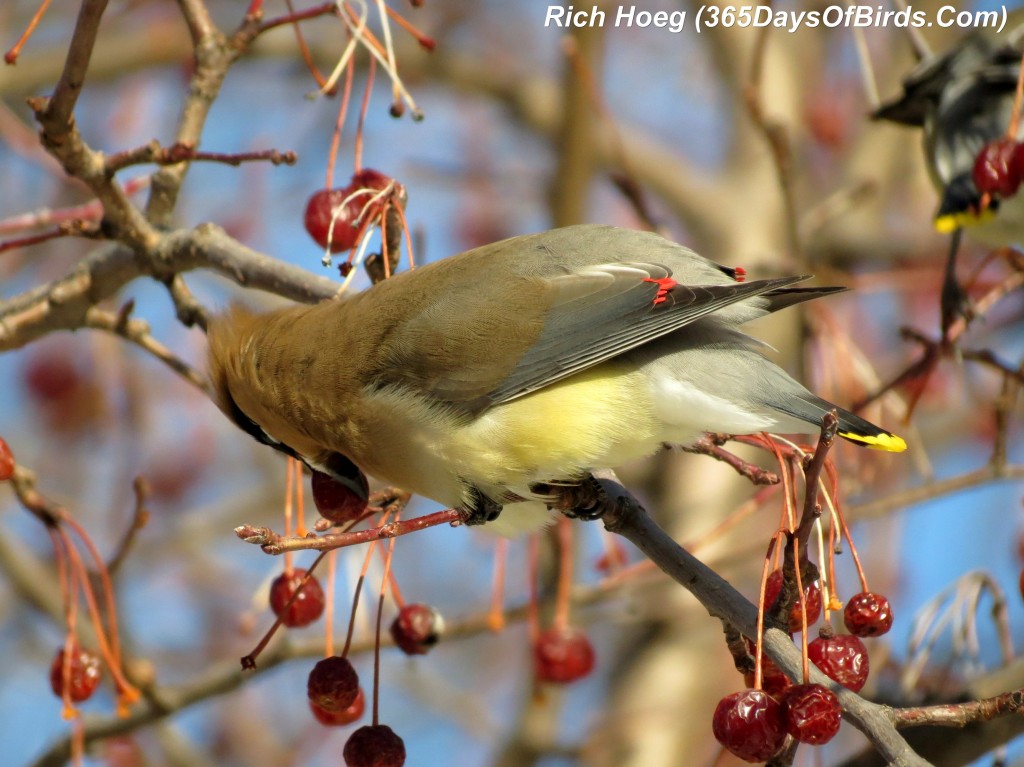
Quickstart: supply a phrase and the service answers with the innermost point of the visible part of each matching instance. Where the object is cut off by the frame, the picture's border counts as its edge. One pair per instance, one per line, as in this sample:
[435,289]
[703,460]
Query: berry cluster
[812,598]
[753,723]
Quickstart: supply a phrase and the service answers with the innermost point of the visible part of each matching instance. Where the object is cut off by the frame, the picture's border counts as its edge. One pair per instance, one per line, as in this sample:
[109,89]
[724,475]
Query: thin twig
[137,331]
[712,446]
[272,543]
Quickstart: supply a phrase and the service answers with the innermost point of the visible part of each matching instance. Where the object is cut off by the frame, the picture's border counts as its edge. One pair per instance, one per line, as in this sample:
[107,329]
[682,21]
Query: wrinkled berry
[333,684]
[374,745]
[812,713]
[811,591]
[750,724]
[868,614]
[842,658]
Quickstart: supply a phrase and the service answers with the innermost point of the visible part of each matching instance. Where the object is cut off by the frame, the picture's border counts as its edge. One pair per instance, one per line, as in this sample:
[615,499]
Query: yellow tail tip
[883,441]
[950,222]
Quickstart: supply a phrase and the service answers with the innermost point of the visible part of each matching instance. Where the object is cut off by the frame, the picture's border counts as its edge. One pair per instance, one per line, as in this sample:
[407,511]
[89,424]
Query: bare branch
[711,445]
[137,331]
[64,303]
[57,117]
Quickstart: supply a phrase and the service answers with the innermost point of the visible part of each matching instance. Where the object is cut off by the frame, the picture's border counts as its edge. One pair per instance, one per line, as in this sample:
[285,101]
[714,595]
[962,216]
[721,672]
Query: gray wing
[635,306]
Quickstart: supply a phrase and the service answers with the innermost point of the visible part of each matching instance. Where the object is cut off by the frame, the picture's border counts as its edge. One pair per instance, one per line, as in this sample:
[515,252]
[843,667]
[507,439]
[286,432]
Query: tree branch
[57,117]
[624,516]
[64,303]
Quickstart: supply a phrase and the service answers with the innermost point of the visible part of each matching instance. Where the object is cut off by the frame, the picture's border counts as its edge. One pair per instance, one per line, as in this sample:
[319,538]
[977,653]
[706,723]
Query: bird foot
[585,500]
[482,510]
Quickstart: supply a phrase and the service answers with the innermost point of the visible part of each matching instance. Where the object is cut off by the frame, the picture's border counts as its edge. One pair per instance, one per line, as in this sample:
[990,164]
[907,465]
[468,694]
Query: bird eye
[253,429]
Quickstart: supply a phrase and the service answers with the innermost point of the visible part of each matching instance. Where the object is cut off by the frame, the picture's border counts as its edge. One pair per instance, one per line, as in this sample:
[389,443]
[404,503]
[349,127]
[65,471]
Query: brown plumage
[526,361]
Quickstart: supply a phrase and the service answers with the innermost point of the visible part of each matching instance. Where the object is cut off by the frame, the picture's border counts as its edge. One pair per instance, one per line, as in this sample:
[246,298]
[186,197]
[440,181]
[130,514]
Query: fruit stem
[376,640]
[533,608]
[422,39]
[802,601]
[396,593]
[358,591]
[358,149]
[496,615]
[12,55]
[249,661]
[766,569]
[289,492]
[332,571]
[109,647]
[788,520]
[300,501]
[853,550]
[565,573]
[339,124]
[303,48]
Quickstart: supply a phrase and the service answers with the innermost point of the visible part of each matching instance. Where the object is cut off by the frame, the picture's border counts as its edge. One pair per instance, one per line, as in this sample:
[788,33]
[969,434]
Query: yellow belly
[598,418]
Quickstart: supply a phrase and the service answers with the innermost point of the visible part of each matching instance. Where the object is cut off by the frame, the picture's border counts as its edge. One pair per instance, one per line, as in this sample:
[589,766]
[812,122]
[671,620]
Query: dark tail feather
[851,426]
[783,297]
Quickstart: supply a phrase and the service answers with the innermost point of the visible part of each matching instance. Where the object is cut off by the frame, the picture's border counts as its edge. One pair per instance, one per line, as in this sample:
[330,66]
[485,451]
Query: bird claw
[585,501]
[482,510]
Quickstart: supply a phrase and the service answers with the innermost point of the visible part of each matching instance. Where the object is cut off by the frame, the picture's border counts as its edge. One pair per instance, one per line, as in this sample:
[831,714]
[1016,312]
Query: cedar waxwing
[477,379]
[963,99]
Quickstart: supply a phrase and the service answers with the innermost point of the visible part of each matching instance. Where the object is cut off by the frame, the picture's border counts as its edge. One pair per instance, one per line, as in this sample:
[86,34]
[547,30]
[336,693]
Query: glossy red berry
[83,675]
[337,502]
[750,724]
[343,717]
[374,745]
[333,684]
[348,217]
[812,713]
[868,614]
[562,656]
[307,605]
[321,207]
[842,658]
[6,461]
[996,170]
[417,628]
[813,598]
